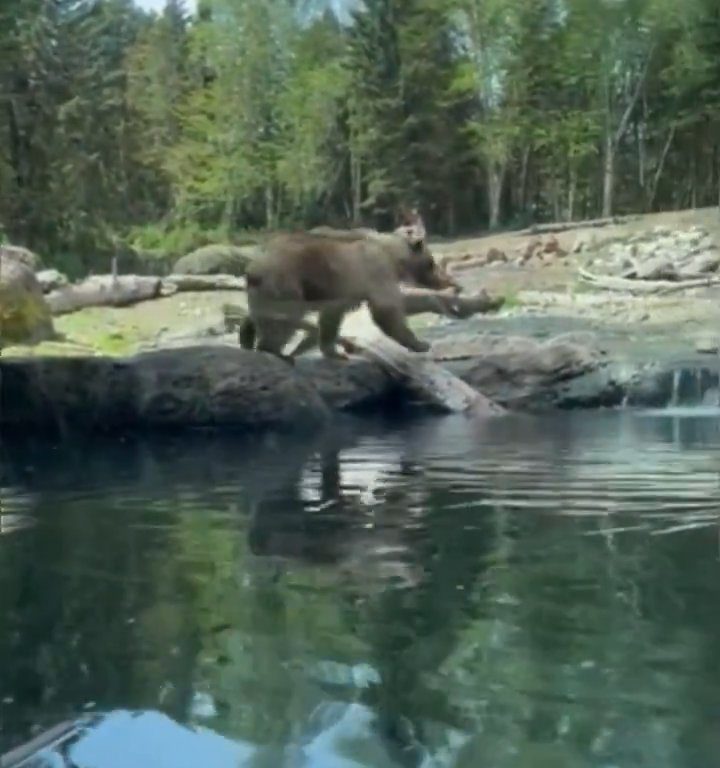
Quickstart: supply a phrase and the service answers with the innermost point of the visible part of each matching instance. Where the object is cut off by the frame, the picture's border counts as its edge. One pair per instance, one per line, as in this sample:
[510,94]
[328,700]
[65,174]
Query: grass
[512,300]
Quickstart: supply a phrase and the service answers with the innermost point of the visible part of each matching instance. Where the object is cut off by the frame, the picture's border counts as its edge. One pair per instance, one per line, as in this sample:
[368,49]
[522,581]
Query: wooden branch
[204,282]
[659,287]
[430,380]
[104,291]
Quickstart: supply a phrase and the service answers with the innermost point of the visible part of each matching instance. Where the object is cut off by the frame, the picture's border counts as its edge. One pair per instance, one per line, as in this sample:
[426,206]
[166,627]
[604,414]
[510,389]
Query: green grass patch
[512,300]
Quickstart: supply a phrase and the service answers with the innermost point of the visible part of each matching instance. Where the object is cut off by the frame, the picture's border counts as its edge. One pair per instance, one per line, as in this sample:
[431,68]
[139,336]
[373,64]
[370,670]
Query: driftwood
[125,290]
[566,226]
[104,291]
[658,287]
[417,301]
[424,376]
[459,264]
[187,282]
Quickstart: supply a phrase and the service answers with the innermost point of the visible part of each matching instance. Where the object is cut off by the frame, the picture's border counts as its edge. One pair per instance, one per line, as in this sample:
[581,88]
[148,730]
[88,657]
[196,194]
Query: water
[530,592]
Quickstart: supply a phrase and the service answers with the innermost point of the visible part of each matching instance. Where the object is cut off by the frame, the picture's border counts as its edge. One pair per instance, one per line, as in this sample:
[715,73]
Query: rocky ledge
[221,385]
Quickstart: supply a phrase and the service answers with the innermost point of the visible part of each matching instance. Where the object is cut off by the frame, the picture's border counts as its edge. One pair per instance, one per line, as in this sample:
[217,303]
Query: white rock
[709,345]
[702,264]
[659,268]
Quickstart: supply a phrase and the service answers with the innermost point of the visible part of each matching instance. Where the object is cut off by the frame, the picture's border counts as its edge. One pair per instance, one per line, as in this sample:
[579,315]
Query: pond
[534,591]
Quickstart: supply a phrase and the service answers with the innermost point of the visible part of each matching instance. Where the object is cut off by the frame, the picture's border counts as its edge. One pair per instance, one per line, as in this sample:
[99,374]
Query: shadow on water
[440,593]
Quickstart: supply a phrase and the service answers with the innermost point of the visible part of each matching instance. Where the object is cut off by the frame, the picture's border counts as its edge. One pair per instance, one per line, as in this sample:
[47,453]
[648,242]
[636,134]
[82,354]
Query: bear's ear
[411,226]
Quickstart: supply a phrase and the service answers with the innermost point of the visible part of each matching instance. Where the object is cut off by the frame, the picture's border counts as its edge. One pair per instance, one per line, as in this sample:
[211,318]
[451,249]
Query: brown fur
[302,273]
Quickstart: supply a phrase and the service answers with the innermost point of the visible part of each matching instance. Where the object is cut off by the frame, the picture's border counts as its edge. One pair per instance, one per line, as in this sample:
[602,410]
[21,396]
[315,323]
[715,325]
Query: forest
[126,131]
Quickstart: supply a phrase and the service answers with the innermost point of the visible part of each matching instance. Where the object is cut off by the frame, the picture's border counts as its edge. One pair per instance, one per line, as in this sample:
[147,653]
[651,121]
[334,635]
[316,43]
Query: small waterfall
[676,381]
[693,387]
[711,397]
[697,377]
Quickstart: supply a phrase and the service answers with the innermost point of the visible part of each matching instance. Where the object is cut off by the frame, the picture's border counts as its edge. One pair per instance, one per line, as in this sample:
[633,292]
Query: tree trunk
[608,175]
[426,378]
[555,198]
[640,138]
[495,185]
[693,180]
[522,185]
[450,213]
[572,189]
[179,282]
[419,300]
[104,291]
[356,184]
[659,170]
[613,138]
[269,217]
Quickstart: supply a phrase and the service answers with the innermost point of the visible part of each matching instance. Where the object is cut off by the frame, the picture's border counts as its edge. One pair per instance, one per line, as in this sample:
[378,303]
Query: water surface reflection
[504,594]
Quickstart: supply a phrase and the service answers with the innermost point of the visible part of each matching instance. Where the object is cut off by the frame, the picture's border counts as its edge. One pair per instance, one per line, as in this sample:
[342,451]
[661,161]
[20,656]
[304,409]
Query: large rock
[24,314]
[220,385]
[701,265]
[51,280]
[23,255]
[664,254]
[216,260]
[189,387]
[657,268]
[518,371]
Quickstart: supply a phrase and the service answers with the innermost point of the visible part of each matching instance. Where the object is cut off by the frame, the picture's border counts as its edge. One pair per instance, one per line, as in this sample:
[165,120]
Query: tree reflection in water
[442,589]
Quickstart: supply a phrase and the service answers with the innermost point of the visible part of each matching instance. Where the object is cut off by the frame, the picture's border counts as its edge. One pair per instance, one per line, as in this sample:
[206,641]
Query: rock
[51,280]
[24,313]
[495,255]
[661,231]
[656,268]
[663,254]
[552,245]
[702,264]
[585,241]
[355,385]
[220,385]
[23,255]
[517,371]
[216,384]
[202,386]
[708,345]
[524,253]
[216,260]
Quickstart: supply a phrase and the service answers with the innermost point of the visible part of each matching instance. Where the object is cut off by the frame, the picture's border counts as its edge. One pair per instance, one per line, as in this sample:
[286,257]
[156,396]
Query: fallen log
[426,378]
[51,280]
[187,282]
[416,300]
[657,287]
[104,291]
[459,265]
[419,300]
[566,226]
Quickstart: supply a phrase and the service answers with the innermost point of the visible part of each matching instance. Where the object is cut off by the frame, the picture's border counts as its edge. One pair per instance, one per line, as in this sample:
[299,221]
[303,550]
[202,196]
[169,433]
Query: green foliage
[163,132]
[174,241]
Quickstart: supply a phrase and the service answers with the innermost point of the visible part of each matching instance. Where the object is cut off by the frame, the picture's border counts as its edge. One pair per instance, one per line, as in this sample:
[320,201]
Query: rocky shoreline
[555,344]
[219,385]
